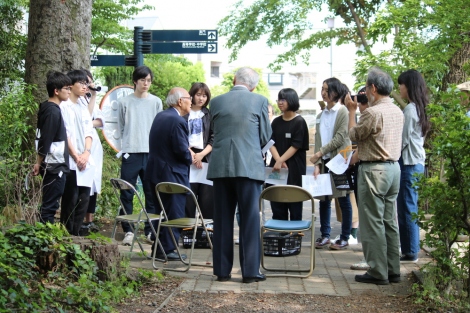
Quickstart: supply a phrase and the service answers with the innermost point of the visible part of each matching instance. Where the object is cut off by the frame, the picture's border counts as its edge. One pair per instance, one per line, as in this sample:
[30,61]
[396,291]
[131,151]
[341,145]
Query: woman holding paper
[330,138]
[412,88]
[200,143]
[290,136]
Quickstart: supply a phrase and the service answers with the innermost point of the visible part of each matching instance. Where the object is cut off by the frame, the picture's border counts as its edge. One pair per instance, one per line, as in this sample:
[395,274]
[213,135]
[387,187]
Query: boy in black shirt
[51,144]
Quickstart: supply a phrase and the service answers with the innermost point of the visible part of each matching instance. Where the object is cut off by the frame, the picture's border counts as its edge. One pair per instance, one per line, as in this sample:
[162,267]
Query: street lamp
[331,25]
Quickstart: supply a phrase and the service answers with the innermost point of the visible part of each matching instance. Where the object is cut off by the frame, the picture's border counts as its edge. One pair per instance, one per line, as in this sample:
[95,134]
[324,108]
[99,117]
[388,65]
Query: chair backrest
[119,185]
[174,188]
[284,193]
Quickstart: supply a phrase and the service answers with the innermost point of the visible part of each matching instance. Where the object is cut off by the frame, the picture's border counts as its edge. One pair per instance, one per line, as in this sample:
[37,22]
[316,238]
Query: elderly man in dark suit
[241,128]
[169,161]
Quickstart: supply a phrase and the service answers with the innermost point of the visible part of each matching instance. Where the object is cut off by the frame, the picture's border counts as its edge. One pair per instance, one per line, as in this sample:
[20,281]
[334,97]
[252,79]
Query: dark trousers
[92,204]
[131,168]
[205,197]
[52,189]
[174,205]
[228,193]
[281,211]
[74,204]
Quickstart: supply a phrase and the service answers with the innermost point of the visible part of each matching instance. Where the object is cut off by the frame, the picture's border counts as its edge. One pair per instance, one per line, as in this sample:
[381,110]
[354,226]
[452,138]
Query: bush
[446,193]
[42,271]
[17,107]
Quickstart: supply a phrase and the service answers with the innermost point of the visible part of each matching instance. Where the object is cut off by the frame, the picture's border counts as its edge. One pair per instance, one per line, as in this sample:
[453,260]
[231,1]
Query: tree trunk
[457,67]
[59,34]
[106,256]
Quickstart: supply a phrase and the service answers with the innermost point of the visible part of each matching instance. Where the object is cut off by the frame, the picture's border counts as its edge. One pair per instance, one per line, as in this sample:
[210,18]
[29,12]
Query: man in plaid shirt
[378,135]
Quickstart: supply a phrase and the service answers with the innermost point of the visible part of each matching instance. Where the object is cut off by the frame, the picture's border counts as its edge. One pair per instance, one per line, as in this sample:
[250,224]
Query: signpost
[162,42]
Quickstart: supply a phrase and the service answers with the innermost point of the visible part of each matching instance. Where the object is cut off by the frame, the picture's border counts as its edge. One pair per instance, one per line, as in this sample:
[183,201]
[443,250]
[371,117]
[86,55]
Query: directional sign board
[184,47]
[107,60]
[184,35]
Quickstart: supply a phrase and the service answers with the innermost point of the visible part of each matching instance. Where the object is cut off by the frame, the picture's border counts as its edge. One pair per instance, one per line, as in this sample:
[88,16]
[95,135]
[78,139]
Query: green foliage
[42,271]
[107,201]
[16,107]
[12,40]
[169,71]
[107,31]
[172,71]
[447,199]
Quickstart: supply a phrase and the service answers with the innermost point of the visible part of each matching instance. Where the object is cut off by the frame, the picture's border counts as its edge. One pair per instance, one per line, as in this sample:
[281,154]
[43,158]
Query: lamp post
[331,25]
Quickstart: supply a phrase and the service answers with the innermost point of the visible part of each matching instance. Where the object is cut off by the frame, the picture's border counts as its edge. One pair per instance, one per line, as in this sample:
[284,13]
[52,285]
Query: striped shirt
[379,132]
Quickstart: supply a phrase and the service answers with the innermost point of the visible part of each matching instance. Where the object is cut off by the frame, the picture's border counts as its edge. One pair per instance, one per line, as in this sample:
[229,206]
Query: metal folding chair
[286,194]
[184,222]
[134,219]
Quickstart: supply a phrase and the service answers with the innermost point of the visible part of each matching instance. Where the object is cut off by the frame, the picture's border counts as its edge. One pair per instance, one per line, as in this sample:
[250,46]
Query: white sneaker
[352,240]
[237,241]
[361,266]
[336,238]
[128,238]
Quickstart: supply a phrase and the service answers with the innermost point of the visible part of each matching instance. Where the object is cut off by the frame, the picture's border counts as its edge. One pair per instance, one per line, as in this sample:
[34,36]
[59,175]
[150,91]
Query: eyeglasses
[66,88]
[190,98]
[143,80]
[84,84]
[280,101]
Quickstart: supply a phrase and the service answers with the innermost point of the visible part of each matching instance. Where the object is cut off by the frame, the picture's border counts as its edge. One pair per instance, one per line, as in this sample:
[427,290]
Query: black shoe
[171,256]
[248,280]
[394,278]
[408,259]
[224,278]
[368,279]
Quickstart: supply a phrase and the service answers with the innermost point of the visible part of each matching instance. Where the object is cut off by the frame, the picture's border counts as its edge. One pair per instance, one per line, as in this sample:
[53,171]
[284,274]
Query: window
[275,79]
[215,71]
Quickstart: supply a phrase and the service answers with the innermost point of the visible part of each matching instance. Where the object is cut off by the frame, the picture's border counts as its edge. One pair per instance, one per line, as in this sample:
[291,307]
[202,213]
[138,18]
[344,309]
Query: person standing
[241,128]
[89,101]
[169,161]
[290,136]
[412,88]
[136,114]
[52,160]
[201,138]
[378,135]
[79,127]
[331,137]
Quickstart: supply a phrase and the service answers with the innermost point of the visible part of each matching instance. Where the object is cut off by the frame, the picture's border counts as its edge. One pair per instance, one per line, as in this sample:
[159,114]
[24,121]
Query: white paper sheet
[321,186]
[276,178]
[198,175]
[267,146]
[338,165]
[85,177]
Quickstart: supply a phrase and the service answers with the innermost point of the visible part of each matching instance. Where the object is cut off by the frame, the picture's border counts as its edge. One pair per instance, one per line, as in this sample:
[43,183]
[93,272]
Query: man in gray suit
[241,128]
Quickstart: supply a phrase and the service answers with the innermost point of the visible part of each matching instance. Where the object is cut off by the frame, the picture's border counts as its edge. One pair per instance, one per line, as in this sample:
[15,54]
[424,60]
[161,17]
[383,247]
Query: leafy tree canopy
[107,32]
[427,35]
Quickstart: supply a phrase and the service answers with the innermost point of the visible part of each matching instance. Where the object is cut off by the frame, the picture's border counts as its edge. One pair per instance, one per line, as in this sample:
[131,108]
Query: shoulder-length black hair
[200,86]
[335,88]
[291,97]
[418,94]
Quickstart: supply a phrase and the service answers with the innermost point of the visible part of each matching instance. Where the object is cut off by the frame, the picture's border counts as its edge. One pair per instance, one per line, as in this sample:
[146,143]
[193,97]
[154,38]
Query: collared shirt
[327,124]
[379,132]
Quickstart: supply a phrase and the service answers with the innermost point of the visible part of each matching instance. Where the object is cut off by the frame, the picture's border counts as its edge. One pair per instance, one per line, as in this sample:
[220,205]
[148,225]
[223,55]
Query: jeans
[325,216]
[407,204]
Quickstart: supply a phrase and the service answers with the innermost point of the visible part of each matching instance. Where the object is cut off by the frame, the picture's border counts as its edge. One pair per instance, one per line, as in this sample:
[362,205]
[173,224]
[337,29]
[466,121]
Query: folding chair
[134,220]
[185,222]
[284,193]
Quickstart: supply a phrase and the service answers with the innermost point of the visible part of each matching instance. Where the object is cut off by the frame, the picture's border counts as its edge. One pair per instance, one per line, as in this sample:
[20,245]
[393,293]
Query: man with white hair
[169,160]
[241,128]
